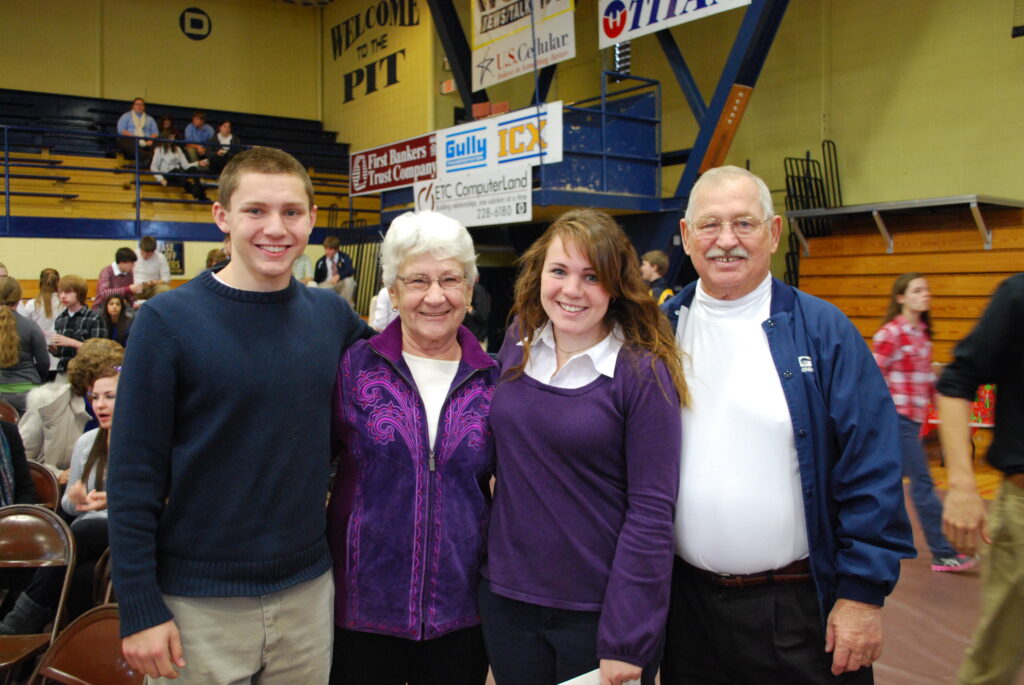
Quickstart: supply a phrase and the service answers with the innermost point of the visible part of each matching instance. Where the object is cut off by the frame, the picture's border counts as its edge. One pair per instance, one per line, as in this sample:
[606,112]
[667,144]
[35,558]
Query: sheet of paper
[592,678]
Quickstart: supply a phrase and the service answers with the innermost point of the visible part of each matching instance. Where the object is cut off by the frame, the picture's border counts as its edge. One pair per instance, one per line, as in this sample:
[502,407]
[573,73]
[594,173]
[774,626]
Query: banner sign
[174,251]
[481,198]
[531,136]
[622,20]
[509,34]
[391,166]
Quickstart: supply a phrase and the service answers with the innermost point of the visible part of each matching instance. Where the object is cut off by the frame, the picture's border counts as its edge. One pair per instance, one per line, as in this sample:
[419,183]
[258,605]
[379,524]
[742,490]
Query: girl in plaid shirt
[903,350]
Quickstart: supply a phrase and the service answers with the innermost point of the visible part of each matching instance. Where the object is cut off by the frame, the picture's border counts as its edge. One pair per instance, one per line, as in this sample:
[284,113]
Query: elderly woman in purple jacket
[411,500]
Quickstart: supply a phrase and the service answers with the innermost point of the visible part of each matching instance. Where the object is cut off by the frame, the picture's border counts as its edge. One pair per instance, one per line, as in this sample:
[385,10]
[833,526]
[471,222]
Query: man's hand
[155,651]
[137,287]
[964,518]
[64,341]
[618,672]
[853,634]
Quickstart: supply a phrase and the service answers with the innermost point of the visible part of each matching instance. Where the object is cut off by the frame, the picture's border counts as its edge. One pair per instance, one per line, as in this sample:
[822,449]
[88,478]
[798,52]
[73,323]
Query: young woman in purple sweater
[586,423]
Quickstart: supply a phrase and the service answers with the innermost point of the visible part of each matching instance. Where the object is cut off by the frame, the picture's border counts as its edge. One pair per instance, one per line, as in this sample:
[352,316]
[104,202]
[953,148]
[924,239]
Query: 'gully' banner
[530,136]
[509,34]
[622,20]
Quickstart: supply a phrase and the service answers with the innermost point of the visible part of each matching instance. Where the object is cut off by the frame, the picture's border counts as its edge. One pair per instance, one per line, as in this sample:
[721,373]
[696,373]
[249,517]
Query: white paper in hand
[592,678]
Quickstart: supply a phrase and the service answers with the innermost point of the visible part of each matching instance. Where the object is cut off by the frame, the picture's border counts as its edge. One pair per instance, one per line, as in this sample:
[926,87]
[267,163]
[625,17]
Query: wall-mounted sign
[622,20]
[391,166]
[195,23]
[174,251]
[485,197]
[530,136]
[509,34]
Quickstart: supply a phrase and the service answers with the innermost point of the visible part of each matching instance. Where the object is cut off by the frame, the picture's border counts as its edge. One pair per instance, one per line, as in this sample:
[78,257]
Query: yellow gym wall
[26,257]
[379,83]
[260,56]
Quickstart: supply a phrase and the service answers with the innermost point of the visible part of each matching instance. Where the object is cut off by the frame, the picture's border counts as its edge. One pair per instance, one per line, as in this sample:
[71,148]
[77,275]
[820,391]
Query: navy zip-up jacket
[847,440]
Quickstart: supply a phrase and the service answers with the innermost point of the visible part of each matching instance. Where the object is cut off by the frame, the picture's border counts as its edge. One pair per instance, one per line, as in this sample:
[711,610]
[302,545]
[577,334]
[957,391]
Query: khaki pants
[282,638]
[997,648]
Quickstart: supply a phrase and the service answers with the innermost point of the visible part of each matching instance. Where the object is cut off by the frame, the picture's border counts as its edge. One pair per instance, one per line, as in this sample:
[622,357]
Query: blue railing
[32,139]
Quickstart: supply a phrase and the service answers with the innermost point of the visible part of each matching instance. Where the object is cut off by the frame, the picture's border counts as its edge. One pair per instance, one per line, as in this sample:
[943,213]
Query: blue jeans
[922,489]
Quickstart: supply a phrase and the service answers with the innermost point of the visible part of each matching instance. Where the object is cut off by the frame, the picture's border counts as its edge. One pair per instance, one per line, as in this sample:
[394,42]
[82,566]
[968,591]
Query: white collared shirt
[582,368]
[117,269]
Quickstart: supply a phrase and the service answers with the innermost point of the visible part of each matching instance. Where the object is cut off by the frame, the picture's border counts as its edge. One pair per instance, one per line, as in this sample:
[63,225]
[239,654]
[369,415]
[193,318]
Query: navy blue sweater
[220,448]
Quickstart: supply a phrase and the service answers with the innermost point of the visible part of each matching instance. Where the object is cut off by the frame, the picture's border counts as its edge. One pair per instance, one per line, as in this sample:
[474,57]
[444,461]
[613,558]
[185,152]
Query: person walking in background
[903,351]
[586,424]
[992,353]
[24,360]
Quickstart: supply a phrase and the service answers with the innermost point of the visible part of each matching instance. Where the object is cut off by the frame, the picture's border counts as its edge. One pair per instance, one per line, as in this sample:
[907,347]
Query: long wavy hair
[614,259]
[10,342]
[899,287]
[48,280]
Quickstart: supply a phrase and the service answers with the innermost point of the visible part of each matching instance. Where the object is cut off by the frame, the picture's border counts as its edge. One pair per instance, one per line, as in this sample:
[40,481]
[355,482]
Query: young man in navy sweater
[219,466]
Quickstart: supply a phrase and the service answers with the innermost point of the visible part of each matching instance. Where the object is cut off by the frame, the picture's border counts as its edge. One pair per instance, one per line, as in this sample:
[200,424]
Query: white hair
[714,176]
[414,234]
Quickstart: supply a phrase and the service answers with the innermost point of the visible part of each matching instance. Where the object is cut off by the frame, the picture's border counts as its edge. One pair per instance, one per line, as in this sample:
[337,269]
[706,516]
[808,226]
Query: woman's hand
[62,477]
[618,672]
[77,494]
[94,501]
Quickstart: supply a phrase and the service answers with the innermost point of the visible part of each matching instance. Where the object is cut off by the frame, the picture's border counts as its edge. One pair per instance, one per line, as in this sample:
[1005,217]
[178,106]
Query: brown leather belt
[797,572]
[1017,479]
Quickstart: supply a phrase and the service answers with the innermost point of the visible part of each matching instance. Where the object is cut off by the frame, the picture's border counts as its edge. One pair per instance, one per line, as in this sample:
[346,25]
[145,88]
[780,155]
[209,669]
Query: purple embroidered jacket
[407,526]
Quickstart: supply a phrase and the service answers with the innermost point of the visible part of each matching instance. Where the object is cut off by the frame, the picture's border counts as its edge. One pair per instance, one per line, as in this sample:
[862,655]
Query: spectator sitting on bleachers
[43,309]
[223,146]
[167,158]
[167,124]
[133,125]
[151,267]
[117,279]
[197,137]
[335,270]
[76,324]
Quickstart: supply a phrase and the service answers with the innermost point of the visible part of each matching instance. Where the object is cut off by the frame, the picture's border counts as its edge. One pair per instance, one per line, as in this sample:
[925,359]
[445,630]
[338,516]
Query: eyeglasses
[421,282]
[743,227]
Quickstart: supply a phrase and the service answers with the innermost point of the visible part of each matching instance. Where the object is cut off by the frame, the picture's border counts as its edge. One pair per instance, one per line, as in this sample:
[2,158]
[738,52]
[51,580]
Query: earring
[394,308]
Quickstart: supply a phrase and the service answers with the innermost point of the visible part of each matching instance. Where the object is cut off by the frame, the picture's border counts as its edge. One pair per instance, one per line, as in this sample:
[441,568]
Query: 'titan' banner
[622,20]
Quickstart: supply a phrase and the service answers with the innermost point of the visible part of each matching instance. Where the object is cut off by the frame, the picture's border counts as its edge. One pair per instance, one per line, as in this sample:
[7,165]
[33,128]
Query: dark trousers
[756,635]
[531,644]
[457,658]
[90,543]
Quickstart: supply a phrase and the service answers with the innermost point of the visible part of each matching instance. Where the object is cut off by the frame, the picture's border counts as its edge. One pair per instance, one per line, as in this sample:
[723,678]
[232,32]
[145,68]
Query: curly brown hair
[96,358]
[614,259]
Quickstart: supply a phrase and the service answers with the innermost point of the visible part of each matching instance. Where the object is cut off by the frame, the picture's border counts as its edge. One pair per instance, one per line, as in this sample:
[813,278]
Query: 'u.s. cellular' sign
[622,20]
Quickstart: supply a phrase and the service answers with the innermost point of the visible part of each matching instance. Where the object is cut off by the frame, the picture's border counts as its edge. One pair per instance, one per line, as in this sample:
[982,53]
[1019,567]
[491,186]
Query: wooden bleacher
[852,269]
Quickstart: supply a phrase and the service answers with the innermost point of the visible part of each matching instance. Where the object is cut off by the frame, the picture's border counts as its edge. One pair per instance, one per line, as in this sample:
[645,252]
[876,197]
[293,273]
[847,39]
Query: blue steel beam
[683,76]
[721,119]
[456,49]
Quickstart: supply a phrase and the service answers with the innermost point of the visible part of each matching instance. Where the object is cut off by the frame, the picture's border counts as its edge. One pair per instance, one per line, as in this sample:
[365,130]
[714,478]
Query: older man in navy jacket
[790,524]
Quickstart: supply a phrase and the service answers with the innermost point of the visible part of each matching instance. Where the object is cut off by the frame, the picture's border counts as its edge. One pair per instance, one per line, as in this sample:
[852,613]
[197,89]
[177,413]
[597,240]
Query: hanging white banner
[531,136]
[485,197]
[508,34]
[622,20]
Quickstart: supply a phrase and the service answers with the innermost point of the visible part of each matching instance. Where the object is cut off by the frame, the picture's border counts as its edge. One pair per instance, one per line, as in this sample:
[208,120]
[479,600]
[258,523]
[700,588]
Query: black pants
[457,658]
[90,543]
[531,644]
[759,635]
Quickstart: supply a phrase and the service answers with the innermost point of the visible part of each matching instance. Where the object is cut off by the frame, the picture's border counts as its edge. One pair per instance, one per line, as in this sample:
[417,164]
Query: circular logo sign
[195,23]
[614,19]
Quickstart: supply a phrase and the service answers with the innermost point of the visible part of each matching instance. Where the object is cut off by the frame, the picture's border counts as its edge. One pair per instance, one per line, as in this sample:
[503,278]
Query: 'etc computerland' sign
[622,20]
[529,136]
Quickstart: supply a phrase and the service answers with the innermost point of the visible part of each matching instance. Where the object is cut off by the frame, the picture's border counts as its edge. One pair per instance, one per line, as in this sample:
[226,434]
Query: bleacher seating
[304,138]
